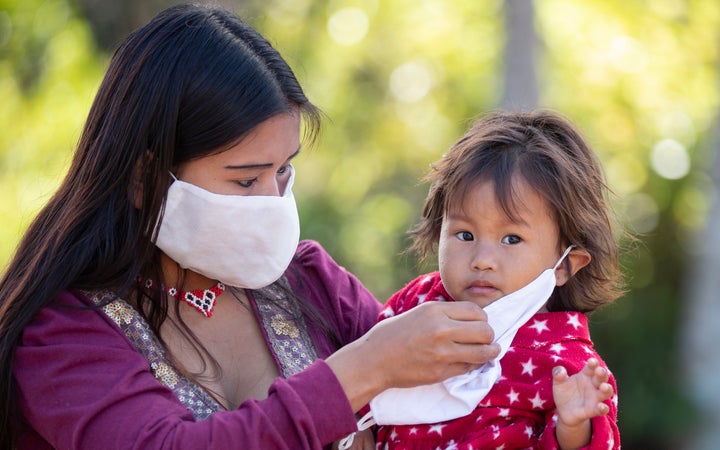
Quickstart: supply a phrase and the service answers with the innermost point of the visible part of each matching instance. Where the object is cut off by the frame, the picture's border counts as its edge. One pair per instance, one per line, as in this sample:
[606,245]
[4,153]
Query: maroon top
[82,384]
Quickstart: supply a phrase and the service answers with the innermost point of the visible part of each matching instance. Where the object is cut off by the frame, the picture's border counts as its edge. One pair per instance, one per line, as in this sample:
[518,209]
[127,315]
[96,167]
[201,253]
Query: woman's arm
[81,384]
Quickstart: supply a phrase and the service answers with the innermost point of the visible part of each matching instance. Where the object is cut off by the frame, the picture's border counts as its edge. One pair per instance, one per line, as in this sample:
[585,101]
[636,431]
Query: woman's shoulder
[312,260]
[309,251]
[70,316]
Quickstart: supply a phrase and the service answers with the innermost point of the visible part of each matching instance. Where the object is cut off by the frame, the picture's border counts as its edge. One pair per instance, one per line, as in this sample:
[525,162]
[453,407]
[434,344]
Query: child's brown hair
[549,153]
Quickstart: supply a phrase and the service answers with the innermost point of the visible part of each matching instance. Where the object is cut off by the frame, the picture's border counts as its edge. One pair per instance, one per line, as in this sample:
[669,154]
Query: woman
[161,298]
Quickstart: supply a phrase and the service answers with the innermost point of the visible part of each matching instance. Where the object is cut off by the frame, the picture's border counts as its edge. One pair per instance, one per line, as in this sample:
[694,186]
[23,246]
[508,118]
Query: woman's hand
[427,344]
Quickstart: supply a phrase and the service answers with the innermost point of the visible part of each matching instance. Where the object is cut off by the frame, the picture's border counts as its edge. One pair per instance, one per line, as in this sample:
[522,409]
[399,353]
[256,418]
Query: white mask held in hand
[458,396]
[242,241]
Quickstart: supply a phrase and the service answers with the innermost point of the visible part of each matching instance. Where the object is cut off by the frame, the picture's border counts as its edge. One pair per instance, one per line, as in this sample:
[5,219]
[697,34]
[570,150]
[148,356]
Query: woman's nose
[269,190]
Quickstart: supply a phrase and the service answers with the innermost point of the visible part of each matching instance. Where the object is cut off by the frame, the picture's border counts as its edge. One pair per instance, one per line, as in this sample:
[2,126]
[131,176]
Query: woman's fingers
[427,344]
[440,340]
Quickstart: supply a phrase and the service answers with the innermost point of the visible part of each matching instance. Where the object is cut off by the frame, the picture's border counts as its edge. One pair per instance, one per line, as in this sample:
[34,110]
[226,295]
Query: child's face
[483,255]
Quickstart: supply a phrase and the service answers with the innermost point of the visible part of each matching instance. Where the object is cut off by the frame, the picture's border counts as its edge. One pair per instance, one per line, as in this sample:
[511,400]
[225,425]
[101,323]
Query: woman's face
[257,165]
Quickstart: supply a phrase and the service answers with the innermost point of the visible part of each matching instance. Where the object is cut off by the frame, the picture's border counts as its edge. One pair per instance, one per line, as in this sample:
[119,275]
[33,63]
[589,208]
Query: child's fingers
[591,366]
[602,409]
[559,374]
[600,376]
[606,390]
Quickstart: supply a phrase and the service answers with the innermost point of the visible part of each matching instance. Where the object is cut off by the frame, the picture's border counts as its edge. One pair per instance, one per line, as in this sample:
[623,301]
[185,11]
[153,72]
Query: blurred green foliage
[399,81]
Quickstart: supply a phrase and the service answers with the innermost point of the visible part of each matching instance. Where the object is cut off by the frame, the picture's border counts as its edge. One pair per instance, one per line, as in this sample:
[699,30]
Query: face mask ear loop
[363,424]
[173,176]
[567,251]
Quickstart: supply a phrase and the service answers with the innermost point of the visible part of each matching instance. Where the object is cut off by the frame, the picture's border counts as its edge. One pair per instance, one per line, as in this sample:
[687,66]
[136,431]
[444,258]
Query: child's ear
[576,260]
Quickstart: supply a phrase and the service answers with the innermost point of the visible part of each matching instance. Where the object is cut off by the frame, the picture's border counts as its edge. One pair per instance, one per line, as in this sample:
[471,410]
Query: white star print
[413,430]
[513,396]
[528,367]
[388,312]
[504,412]
[611,443]
[557,348]
[574,321]
[436,428]
[421,298]
[540,326]
[537,402]
[529,431]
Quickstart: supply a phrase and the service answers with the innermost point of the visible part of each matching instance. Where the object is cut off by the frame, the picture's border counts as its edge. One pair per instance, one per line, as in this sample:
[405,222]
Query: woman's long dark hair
[193,81]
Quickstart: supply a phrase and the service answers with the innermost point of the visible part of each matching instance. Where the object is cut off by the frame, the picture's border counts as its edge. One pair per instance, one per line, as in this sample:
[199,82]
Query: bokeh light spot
[348,26]
[670,159]
[410,82]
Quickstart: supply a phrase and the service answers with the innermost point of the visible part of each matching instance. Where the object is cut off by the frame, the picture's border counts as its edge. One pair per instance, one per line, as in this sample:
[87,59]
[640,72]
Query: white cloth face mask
[242,241]
[459,395]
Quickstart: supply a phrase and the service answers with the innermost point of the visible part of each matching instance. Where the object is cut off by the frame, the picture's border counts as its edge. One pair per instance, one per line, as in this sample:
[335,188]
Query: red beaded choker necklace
[201,299]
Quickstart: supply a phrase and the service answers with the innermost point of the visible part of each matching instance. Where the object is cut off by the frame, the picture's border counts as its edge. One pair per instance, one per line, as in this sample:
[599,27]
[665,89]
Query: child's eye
[283,169]
[511,239]
[464,236]
[246,183]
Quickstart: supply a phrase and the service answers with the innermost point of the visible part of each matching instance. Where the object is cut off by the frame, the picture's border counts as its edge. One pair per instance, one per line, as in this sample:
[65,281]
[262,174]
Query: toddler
[519,206]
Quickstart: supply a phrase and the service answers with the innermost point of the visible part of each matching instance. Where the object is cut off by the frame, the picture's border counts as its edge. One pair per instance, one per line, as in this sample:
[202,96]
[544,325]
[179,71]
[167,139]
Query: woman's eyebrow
[260,165]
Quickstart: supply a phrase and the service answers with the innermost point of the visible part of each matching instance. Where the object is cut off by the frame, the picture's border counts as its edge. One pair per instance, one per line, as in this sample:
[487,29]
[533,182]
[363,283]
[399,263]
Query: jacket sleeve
[81,384]
[605,433]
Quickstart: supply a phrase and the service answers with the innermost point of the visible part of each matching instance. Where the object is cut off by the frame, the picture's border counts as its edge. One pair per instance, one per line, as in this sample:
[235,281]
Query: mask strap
[567,251]
[363,424]
[173,176]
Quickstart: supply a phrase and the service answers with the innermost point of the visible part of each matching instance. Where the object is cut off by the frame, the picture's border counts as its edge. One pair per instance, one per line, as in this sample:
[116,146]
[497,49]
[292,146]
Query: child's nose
[483,258]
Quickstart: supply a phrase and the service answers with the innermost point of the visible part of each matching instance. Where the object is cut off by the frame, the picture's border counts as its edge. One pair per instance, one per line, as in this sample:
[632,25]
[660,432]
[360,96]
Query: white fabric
[458,396]
[243,241]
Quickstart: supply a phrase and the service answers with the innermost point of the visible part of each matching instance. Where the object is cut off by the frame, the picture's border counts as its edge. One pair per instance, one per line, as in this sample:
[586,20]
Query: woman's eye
[464,236]
[246,183]
[283,169]
[511,239]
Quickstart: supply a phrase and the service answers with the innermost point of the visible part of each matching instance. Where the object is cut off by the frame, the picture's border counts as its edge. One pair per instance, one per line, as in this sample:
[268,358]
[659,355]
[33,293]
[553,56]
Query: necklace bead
[201,299]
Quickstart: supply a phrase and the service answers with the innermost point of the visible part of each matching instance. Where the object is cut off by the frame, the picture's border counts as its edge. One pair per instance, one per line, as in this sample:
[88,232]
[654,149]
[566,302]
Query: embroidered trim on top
[138,332]
[285,327]
[280,317]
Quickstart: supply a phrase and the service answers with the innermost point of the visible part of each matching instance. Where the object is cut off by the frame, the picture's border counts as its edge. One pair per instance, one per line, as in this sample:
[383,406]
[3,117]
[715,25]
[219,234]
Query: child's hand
[580,397]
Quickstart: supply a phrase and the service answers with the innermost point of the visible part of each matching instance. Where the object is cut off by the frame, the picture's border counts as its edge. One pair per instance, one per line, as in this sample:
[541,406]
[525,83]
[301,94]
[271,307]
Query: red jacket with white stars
[519,411]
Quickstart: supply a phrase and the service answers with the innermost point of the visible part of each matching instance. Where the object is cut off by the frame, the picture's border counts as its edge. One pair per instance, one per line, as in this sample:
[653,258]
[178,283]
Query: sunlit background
[399,81]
